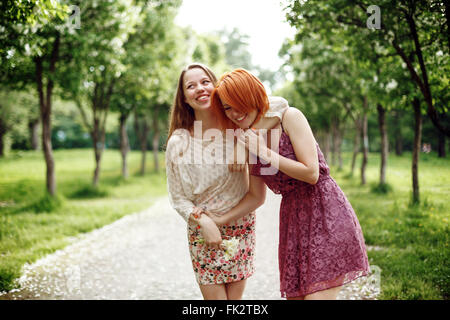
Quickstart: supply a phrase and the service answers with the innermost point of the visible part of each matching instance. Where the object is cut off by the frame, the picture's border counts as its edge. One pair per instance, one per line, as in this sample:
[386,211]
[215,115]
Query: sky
[262,20]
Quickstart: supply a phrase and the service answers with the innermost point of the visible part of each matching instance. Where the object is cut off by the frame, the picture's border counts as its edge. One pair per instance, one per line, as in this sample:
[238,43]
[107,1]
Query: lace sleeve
[177,197]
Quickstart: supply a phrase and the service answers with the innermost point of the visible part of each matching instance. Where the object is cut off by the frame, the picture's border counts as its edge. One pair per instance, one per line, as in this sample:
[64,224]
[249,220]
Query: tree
[97,50]
[148,83]
[333,86]
[33,29]
[416,31]
[236,49]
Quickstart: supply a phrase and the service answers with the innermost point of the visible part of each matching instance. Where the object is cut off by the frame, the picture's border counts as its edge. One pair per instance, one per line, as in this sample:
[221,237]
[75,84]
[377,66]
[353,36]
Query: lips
[203,97]
[240,119]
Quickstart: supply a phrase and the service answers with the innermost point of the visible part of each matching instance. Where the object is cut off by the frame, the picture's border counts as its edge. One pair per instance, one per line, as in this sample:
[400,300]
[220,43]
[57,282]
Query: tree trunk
[421,82]
[142,134]
[356,145]
[2,136]
[145,131]
[98,137]
[327,145]
[384,142]
[45,105]
[398,133]
[441,145]
[416,149]
[365,139]
[124,144]
[100,108]
[155,142]
[33,127]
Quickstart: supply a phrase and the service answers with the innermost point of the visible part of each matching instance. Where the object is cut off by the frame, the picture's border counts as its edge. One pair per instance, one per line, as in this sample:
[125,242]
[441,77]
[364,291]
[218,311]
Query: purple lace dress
[321,243]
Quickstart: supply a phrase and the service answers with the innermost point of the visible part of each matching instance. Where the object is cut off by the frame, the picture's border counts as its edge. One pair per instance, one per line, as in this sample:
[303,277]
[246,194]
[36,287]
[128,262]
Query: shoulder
[178,137]
[177,144]
[292,115]
[294,119]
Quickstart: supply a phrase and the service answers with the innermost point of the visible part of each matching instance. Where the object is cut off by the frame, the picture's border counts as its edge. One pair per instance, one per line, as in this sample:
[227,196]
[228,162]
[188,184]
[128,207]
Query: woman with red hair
[321,245]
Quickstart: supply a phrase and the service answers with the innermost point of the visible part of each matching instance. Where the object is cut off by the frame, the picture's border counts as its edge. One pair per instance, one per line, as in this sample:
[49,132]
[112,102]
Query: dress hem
[299,293]
[226,282]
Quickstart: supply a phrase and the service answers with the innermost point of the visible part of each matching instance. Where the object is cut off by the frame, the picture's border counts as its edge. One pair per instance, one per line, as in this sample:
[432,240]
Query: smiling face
[242,119]
[197,88]
[239,100]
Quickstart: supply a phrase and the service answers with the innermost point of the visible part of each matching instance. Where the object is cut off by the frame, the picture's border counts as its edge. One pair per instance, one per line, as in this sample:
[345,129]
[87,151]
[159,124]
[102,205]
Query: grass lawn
[27,233]
[411,242]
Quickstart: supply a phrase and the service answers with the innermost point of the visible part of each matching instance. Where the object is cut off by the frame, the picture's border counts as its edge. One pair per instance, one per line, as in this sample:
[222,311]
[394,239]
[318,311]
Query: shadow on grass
[89,192]
[381,188]
[47,203]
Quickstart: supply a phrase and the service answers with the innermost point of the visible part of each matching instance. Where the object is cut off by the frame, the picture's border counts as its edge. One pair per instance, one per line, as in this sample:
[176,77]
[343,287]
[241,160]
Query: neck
[207,118]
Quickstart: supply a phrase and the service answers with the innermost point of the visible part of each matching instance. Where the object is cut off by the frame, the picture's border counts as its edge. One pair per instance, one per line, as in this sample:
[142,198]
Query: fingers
[214,245]
[196,214]
[249,140]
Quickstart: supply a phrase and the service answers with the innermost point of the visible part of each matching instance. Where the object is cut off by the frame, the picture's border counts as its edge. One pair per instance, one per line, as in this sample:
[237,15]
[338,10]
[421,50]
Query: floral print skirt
[233,262]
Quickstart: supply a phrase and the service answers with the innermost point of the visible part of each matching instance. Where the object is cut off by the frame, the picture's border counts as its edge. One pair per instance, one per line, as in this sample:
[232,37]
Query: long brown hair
[181,114]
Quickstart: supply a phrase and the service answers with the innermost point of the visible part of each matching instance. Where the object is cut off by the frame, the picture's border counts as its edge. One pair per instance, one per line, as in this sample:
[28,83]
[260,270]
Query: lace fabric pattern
[321,243]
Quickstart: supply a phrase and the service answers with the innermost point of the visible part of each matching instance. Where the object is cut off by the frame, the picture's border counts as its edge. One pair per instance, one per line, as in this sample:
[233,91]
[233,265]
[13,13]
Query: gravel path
[145,256]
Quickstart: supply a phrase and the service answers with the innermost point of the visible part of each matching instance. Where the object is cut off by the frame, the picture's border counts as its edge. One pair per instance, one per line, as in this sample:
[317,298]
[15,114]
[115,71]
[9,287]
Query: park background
[85,92]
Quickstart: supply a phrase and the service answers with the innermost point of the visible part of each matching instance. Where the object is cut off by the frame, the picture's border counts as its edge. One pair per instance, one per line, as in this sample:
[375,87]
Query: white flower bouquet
[230,246]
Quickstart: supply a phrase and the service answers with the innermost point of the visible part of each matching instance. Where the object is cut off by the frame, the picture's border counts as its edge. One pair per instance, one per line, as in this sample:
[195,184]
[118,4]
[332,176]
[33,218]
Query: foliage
[414,31]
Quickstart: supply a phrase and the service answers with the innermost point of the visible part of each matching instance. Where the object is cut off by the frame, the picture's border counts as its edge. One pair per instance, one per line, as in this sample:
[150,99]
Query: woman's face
[241,119]
[197,88]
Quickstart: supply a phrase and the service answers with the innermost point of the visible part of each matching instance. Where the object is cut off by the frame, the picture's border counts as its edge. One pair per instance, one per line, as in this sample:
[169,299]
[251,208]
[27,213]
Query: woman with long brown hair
[222,257]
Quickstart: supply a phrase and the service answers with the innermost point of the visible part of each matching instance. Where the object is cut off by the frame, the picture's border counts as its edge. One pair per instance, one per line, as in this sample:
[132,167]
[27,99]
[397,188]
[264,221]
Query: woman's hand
[218,220]
[254,142]
[196,214]
[210,232]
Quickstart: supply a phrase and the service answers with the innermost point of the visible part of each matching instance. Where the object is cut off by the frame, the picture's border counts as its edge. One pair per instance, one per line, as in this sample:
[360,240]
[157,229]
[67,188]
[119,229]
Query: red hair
[242,91]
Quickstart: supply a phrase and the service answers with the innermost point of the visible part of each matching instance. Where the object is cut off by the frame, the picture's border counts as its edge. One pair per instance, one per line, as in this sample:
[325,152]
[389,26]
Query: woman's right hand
[210,232]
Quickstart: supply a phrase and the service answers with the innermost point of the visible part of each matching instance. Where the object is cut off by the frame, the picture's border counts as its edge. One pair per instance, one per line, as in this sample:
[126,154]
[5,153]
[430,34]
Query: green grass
[32,224]
[413,240]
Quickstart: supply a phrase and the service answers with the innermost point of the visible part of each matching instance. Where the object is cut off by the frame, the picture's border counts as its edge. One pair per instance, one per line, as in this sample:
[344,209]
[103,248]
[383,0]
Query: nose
[200,88]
